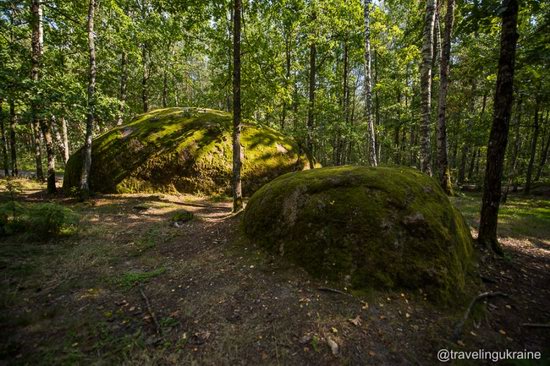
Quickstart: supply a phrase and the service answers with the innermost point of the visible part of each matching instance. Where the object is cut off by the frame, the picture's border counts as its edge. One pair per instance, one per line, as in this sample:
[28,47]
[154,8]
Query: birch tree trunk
[65,137]
[368,86]
[426,87]
[145,79]
[123,86]
[311,103]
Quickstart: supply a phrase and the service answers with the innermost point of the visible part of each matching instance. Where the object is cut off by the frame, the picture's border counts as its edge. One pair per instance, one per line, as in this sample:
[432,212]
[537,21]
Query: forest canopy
[155,53]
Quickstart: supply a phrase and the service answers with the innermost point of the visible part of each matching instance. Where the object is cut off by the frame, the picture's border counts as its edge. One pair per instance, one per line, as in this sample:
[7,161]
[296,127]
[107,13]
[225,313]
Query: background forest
[157,53]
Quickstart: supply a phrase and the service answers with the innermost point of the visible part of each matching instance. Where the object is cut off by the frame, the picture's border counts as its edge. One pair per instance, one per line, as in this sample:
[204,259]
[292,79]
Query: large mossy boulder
[184,150]
[365,227]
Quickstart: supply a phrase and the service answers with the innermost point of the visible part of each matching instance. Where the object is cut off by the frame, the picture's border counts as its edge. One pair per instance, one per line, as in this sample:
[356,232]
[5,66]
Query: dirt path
[132,288]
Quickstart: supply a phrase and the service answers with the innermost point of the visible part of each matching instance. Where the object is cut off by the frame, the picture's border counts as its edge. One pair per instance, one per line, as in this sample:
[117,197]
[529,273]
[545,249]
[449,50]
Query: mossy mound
[367,227]
[183,150]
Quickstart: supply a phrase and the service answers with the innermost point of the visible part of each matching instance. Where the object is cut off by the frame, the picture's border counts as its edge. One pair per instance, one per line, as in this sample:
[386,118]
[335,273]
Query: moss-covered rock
[184,150]
[367,227]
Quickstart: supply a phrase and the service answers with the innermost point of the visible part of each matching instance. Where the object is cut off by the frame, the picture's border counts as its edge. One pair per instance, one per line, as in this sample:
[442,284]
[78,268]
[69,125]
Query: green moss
[369,227]
[182,216]
[183,150]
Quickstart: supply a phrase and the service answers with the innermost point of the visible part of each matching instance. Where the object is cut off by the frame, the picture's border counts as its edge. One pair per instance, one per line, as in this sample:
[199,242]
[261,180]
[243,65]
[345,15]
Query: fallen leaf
[355,321]
[333,346]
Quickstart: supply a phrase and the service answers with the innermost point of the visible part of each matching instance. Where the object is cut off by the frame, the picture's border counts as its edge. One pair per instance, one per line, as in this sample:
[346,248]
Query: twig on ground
[151,313]
[328,289]
[459,327]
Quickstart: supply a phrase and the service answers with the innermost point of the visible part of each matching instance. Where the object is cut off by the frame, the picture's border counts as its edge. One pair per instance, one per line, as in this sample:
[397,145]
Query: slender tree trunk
[50,154]
[87,161]
[287,78]
[65,137]
[426,87]
[145,79]
[544,151]
[36,55]
[498,138]
[164,90]
[40,121]
[123,86]
[13,145]
[237,186]
[472,165]
[368,86]
[5,158]
[36,64]
[532,155]
[442,161]
[37,150]
[311,104]
[515,151]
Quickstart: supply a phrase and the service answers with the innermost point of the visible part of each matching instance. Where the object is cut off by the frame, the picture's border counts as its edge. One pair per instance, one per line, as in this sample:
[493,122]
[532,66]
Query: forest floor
[132,288]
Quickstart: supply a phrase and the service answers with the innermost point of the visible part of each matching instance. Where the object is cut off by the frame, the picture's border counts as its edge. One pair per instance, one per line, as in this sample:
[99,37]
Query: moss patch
[367,227]
[183,150]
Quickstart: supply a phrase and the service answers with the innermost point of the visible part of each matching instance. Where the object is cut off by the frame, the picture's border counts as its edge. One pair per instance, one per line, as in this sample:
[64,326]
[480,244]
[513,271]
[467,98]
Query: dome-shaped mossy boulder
[184,150]
[365,227]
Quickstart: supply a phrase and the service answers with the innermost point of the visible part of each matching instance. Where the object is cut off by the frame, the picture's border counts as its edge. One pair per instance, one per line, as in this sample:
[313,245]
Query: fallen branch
[536,325]
[459,327]
[151,313]
[333,290]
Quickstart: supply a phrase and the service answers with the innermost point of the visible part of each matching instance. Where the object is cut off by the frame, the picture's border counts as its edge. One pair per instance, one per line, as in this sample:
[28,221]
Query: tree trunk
[287,79]
[13,145]
[65,137]
[37,150]
[164,89]
[87,161]
[532,155]
[426,87]
[36,56]
[544,151]
[50,154]
[515,151]
[5,158]
[311,104]
[123,86]
[368,86]
[36,61]
[145,79]
[472,165]
[498,137]
[237,186]
[442,161]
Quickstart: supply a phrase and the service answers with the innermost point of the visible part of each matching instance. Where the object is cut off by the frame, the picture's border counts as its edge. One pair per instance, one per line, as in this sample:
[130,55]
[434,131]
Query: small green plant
[182,216]
[40,220]
[130,279]
[47,220]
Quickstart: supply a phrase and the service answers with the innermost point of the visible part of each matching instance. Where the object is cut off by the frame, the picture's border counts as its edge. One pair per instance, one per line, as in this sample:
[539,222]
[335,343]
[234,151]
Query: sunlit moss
[183,150]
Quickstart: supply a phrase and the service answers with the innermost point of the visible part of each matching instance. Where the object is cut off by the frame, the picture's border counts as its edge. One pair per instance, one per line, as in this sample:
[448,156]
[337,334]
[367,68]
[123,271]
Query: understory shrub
[40,220]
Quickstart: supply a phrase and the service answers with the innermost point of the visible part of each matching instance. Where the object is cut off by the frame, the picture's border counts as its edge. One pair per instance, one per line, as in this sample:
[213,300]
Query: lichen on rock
[185,150]
[372,227]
